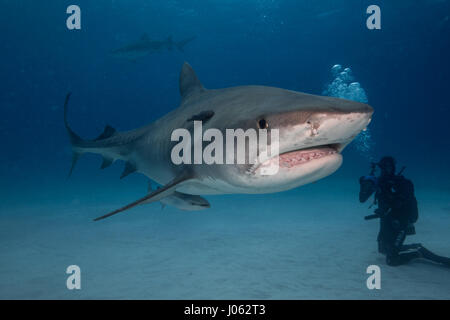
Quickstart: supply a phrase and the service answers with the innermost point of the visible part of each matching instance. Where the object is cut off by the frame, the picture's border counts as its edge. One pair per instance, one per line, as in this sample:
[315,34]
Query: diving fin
[427,254]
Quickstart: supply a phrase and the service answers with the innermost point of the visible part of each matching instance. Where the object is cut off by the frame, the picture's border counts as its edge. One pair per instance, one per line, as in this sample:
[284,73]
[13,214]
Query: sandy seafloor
[307,243]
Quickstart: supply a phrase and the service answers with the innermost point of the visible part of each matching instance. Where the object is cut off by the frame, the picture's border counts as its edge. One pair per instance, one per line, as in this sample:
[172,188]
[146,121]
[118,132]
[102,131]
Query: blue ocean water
[224,252]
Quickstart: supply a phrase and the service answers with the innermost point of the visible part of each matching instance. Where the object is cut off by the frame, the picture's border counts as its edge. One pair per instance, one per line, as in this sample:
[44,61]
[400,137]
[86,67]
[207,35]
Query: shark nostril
[314,127]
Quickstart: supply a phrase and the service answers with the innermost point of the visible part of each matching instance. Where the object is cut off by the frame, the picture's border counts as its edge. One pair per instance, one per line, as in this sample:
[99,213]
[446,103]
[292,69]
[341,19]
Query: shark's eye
[263,124]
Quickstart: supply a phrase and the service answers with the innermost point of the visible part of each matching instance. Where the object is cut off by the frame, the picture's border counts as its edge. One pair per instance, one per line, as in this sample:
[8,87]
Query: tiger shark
[313,131]
[146,46]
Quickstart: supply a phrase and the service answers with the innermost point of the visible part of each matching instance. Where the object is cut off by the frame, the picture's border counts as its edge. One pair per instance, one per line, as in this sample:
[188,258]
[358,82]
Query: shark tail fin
[181,44]
[75,157]
[77,142]
[74,138]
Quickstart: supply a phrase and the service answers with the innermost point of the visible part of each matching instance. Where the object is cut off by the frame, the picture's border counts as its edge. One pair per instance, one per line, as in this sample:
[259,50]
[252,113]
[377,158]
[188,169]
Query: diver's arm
[368,185]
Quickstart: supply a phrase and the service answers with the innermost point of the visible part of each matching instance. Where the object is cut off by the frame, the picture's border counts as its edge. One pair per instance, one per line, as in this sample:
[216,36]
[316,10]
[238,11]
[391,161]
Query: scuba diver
[397,211]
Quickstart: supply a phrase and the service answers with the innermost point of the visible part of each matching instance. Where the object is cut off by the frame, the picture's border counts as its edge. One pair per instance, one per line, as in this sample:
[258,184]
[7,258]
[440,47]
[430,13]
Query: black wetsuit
[397,208]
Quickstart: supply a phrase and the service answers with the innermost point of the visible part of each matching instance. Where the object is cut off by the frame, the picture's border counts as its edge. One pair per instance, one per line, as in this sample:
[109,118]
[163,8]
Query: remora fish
[183,201]
[145,46]
[313,131]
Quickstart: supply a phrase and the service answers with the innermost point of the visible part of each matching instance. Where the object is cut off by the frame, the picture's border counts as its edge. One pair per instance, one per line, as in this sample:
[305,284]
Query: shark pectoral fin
[156,195]
[149,190]
[149,186]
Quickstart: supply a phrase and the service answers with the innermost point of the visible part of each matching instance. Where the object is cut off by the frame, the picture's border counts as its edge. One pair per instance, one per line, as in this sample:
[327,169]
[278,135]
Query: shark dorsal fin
[189,82]
[108,132]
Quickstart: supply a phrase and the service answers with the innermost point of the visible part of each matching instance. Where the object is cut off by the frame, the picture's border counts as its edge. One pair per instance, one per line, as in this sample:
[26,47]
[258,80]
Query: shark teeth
[293,158]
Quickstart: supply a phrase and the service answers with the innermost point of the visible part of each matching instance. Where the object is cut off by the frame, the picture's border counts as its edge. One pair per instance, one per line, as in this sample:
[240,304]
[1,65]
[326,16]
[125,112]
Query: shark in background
[146,46]
[313,131]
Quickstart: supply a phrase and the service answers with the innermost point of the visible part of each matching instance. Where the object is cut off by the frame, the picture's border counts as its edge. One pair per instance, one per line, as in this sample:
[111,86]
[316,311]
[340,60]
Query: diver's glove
[381,212]
[368,185]
[368,178]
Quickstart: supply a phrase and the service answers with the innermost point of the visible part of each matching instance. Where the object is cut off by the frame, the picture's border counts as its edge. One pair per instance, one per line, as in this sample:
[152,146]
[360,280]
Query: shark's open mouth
[297,157]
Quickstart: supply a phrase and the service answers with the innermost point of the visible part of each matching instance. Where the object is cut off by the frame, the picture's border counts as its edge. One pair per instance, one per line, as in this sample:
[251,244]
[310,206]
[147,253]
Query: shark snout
[337,127]
[358,107]
[349,106]
[360,116]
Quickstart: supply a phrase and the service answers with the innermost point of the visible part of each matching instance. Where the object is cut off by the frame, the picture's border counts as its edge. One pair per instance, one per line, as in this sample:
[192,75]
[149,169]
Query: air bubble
[344,86]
